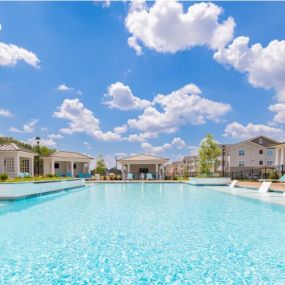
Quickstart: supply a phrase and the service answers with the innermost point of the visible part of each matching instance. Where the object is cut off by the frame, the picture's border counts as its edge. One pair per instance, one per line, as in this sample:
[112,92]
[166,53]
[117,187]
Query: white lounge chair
[149,176]
[130,176]
[265,186]
[233,184]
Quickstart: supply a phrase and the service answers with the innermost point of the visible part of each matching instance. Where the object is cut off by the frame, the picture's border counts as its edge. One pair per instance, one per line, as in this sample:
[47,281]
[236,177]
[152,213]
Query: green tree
[209,152]
[100,166]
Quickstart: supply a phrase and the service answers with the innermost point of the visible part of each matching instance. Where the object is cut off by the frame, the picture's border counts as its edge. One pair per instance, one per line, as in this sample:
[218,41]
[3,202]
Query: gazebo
[15,159]
[143,166]
[67,163]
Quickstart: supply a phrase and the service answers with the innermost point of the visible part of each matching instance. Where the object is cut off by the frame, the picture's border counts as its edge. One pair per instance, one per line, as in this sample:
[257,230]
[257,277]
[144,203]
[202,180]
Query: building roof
[14,147]
[142,157]
[277,144]
[267,142]
[69,154]
[191,157]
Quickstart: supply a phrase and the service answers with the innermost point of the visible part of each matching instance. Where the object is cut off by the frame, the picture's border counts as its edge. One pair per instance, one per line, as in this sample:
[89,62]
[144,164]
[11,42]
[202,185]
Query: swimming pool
[142,234]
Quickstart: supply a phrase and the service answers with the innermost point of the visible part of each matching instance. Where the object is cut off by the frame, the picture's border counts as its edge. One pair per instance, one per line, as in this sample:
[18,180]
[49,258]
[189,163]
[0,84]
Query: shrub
[50,175]
[273,175]
[4,177]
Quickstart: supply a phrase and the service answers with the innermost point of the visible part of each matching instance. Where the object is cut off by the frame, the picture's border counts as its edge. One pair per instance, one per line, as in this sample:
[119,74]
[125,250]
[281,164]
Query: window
[241,152]
[260,162]
[56,165]
[241,163]
[269,162]
[260,140]
[270,152]
[74,166]
[9,164]
[261,151]
[24,165]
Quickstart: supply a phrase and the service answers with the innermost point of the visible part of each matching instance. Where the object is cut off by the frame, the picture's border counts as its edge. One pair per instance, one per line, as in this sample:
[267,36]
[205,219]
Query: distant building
[191,164]
[248,156]
[257,152]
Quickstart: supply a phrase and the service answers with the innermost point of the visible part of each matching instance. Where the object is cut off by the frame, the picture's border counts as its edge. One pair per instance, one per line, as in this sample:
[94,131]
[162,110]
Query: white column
[129,168]
[276,157]
[88,167]
[123,171]
[17,165]
[156,171]
[32,167]
[52,167]
[71,168]
[282,156]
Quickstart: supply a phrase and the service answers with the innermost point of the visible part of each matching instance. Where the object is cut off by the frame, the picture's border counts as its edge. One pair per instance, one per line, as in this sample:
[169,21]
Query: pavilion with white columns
[67,163]
[16,159]
[141,164]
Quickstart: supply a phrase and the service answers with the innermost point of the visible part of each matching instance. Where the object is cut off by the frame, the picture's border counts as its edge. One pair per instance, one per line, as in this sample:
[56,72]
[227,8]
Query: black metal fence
[257,173]
[241,173]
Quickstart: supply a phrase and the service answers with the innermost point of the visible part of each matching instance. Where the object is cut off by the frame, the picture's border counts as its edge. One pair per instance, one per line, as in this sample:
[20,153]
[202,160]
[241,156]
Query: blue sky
[79,70]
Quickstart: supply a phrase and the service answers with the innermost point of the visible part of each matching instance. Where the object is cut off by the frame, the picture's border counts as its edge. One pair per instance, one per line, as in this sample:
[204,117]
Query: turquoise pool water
[142,234]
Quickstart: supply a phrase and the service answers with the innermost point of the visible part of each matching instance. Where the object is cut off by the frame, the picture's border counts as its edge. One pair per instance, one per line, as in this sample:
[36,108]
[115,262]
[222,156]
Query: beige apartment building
[191,164]
[257,152]
[249,156]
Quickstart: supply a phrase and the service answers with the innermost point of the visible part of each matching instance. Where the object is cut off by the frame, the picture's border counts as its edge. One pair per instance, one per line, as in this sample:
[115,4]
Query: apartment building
[176,168]
[255,153]
[191,164]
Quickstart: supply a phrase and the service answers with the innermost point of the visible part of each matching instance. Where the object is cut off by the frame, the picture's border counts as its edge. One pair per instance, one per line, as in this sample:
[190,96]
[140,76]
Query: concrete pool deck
[252,193]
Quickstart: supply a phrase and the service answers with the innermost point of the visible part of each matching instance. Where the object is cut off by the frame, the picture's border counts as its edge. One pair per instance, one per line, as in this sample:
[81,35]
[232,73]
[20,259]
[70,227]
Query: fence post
[282,170]
[241,175]
[265,174]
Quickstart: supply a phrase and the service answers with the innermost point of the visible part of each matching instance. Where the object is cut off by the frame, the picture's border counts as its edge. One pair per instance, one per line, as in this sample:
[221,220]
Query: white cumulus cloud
[10,54]
[55,136]
[27,128]
[165,27]
[64,88]
[82,120]
[5,113]
[179,143]
[265,66]
[121,129]
[135,138]
[237,130]
[178,108]
[150,149]
[43,142]
[279,109]
[120,96]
